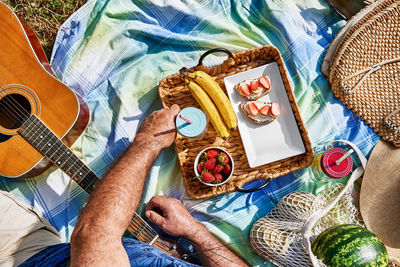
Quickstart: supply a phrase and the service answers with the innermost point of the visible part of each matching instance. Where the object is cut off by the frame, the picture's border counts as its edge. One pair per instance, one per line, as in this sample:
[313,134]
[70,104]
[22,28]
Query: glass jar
[332,163]
[191,122]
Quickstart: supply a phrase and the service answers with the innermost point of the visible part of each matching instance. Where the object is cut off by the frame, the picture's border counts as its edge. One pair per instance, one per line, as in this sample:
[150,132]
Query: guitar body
[26,88]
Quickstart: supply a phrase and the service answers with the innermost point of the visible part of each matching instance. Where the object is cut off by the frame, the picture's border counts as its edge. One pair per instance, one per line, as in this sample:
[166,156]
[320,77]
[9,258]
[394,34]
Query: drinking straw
[185,119]
[344,156]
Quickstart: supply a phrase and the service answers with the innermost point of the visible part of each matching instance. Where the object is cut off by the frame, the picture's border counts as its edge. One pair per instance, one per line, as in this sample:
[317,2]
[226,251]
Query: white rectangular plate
[277,140]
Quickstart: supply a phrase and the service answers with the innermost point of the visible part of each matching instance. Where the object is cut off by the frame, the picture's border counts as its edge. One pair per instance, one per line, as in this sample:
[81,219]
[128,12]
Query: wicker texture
[172,90]
[365,69]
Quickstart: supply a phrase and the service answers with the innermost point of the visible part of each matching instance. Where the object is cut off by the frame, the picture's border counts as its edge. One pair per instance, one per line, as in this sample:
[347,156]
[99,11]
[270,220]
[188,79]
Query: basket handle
[388,123]
[241,190]
[366,73]
[214,50]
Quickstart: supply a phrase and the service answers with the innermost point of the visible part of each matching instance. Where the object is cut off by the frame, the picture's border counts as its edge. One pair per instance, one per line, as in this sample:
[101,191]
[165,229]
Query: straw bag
[283,235]
[364,70]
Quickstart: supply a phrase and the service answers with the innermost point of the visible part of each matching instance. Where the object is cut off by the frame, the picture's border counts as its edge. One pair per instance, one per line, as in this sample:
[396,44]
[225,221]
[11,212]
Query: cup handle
[241,190]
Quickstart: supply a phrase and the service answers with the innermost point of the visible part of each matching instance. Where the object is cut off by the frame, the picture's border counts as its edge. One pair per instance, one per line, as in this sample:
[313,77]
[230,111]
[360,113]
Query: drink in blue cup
[191,122]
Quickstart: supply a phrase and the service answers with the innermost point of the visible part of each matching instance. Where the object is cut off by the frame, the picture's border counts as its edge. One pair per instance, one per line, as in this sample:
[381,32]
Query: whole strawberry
[227,169]
[218,168]
[210,164]
[207,177]
[222,158]
[200,166]
[212,153]
[218,177]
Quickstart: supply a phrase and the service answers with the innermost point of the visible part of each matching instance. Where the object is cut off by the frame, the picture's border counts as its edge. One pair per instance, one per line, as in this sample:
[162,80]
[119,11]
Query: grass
[45,17]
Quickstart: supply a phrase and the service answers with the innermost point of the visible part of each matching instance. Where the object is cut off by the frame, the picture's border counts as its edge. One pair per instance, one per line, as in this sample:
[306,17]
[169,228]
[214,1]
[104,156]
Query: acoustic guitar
[40,118]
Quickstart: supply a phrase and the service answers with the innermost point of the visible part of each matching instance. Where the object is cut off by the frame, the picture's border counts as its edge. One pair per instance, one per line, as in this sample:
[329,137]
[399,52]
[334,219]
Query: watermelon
[350,245]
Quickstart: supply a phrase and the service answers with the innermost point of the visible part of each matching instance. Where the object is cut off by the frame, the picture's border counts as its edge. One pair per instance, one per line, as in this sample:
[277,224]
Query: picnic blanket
[114,54]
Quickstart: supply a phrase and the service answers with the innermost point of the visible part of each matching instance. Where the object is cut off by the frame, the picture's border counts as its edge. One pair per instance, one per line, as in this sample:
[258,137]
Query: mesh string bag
[284,235]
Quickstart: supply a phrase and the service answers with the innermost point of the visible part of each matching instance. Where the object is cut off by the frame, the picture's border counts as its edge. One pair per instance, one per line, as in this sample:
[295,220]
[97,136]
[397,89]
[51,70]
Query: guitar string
[147,232]
[136,221]
[3,94]
[24,111]
[149,229]
[164,244]
[36,130]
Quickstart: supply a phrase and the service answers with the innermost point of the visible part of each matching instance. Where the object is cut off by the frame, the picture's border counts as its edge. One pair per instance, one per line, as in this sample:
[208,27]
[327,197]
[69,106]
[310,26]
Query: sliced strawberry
[212,153]
[253,109]
[227,169]
[275,110]
[218,177]
[265,82]
[254,85]
[245,89]
[207,177]
[265,110]
[210,164]
[200,167]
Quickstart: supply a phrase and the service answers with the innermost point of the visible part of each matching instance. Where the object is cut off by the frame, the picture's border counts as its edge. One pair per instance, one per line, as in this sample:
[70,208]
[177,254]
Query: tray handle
[214,50]
[241,190]
[219,68]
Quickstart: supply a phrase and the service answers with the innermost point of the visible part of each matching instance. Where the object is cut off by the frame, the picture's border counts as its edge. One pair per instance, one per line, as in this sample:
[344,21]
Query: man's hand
[159,128]
[172,217]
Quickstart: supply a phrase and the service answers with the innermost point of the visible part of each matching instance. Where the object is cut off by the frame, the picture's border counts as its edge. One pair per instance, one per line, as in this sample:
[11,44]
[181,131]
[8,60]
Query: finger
[175,109]
[165,132]
[155,202]
[155,218]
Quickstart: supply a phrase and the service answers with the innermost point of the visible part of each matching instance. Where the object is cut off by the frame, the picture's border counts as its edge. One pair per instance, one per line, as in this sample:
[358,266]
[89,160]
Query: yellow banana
[208,106]
[217,95]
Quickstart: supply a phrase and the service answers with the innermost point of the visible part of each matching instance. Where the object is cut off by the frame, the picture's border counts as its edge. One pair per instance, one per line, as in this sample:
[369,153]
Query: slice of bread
[258,119]
[252,95]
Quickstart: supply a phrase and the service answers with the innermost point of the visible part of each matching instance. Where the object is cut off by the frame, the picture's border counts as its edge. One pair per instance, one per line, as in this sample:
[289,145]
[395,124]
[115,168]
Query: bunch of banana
[206,91]
[208,106]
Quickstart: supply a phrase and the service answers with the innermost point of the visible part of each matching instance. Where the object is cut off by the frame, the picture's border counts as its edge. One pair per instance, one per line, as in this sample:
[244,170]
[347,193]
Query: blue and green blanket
[114,54]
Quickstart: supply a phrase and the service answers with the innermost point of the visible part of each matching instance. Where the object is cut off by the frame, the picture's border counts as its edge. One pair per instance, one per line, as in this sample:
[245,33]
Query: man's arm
[172,217]
[96,239]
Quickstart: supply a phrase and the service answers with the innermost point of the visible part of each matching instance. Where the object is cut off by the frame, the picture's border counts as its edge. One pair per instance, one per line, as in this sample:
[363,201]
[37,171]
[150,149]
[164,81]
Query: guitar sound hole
[14,110]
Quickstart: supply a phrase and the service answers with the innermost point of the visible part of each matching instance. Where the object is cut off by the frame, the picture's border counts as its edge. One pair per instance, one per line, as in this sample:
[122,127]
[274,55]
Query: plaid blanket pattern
[114,53]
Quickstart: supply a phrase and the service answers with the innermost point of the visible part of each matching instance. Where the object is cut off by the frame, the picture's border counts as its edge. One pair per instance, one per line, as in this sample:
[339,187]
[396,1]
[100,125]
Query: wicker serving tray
[172,90]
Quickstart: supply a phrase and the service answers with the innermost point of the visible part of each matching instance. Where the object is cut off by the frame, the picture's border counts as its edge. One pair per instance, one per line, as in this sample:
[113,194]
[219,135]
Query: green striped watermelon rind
[341,245]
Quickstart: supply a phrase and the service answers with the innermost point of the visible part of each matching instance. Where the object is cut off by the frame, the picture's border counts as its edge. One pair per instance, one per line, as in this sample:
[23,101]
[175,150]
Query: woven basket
[172,90]
[364,72]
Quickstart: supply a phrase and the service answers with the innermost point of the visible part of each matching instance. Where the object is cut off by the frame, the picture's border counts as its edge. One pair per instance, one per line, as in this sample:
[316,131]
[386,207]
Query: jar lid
[329,166]
[197,118]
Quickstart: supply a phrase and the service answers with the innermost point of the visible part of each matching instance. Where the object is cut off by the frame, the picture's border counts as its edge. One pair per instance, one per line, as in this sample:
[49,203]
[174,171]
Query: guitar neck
[48,144]
[35,132]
